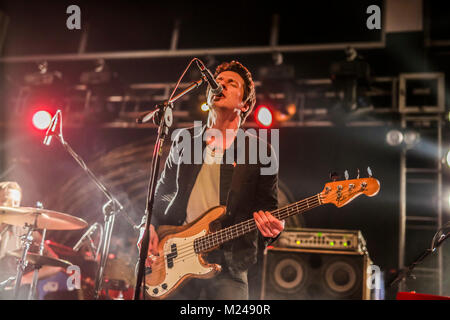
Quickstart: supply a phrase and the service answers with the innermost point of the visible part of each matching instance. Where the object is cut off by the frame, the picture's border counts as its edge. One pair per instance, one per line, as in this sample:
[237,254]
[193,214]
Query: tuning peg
[346,175]
[369,172]
[358,174]
[334,176]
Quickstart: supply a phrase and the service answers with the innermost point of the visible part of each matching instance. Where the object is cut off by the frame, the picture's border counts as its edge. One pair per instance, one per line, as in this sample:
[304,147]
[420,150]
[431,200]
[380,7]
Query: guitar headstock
[342,192]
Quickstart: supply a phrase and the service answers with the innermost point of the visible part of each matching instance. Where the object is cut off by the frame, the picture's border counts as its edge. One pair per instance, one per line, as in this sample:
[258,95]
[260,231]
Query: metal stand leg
[23,262]
[33,288]
[106,241]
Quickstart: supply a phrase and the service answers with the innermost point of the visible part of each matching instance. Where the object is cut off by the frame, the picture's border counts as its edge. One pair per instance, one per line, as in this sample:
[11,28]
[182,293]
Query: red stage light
[42,119]
[264,117]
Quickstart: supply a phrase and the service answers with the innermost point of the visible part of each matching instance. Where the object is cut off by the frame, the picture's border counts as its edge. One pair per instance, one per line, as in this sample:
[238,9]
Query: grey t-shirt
[206,191]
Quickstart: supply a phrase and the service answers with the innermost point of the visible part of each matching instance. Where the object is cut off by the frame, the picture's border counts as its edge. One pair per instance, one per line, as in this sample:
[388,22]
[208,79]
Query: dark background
[307,154]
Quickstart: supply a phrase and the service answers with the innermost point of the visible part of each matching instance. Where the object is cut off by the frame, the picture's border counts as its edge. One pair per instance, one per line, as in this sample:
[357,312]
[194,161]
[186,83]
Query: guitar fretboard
[218,238]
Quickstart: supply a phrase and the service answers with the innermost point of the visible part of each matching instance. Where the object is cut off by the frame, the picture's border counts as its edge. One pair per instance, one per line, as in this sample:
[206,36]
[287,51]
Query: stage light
[411,138]
[263,117]
[349,78]
[205,107]
[42,119]
[394,138]
[278,89]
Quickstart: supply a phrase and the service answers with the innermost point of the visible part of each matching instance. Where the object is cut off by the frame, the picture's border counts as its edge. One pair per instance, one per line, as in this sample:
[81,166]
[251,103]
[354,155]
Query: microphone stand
[162,116]
[406,272]
[110,209]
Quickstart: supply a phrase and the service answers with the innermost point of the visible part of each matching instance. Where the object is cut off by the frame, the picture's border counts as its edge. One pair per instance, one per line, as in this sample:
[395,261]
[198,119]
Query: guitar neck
[217,238]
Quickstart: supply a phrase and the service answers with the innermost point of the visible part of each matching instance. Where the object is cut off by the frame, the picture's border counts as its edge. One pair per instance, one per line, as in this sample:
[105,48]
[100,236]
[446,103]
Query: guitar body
[177,261]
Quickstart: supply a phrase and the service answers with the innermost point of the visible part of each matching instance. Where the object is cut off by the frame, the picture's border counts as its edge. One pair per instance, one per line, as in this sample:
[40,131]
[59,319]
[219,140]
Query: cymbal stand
[33,287]
[27,241]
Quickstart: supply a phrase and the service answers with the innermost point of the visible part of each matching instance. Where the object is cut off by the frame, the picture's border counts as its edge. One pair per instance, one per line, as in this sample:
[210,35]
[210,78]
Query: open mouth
[219,96]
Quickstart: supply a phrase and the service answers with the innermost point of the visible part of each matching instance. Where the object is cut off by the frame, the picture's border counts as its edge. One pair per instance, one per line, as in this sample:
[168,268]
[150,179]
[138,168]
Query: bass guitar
[182,248]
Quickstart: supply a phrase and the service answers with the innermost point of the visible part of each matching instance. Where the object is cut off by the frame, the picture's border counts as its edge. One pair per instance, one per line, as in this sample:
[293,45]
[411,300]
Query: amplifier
[326,239]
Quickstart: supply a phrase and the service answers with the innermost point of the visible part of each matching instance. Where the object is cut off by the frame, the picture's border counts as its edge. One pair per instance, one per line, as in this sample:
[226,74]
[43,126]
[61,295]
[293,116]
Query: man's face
[233,91]
[10,198]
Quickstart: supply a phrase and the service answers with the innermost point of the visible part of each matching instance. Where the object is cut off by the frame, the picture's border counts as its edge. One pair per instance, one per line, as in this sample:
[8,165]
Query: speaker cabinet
[299,274]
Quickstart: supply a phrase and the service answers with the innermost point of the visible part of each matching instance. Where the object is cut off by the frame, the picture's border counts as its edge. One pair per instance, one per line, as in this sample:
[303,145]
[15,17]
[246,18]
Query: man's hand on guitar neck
[268,225]
[152,246]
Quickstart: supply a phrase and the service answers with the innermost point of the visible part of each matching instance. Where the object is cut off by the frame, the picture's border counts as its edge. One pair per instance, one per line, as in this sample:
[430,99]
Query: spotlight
[263,117]
[394,138]
[350,77]
[411,138]
[278,89]
[204,107]
[42,119]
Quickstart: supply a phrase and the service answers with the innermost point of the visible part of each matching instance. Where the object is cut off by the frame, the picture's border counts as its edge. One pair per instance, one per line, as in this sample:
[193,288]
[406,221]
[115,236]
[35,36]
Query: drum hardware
[119,272]
[41,260]
[27,240]
[119,279]
[34,219]
[40,218]
[86,237]
[33,287]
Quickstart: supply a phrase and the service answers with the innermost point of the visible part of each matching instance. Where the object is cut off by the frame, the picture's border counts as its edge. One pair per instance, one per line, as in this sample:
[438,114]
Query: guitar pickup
[172,255]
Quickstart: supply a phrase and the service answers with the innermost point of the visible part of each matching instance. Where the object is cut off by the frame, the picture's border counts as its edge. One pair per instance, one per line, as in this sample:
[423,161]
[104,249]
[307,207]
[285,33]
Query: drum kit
[118,274]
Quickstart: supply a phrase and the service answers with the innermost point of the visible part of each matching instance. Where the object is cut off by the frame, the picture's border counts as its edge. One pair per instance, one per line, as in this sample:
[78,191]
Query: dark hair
[249,88]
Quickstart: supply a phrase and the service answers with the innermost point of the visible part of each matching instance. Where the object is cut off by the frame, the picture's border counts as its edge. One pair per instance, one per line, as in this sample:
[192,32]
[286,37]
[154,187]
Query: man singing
[186,190]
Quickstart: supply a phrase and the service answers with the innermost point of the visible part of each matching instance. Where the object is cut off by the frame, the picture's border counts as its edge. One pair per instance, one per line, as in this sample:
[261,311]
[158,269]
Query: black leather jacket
[243,189]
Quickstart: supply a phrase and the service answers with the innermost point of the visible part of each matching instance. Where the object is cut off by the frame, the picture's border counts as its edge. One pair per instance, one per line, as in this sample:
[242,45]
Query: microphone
[6,283]
[216,88]
[87,234]
[51,129]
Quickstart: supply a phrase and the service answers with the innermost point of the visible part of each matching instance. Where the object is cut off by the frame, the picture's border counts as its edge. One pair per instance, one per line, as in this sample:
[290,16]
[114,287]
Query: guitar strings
[278,213]
[282,213]
[204,240]
[209,240]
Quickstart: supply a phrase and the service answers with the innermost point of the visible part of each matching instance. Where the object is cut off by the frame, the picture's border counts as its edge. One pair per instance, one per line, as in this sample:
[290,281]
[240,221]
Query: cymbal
[44,219]
[36,259]
[118,269]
